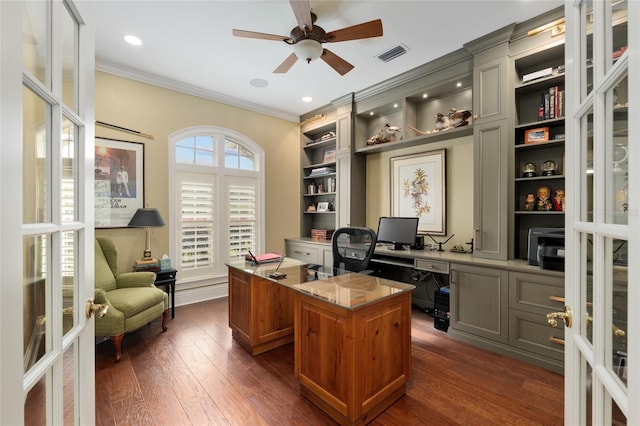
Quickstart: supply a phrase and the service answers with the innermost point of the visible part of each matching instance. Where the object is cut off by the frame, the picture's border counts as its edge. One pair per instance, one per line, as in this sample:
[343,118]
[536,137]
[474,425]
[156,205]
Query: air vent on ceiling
[392,53]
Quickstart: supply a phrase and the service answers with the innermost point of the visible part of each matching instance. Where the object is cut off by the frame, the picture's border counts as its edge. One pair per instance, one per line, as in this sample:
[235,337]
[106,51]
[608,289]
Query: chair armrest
[135,279]
[100,297]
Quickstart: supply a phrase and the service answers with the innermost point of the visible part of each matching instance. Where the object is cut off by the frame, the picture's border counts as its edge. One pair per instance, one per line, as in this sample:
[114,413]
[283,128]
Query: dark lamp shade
[146,218]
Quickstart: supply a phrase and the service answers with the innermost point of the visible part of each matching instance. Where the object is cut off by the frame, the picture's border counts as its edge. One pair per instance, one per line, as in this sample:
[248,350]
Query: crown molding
[167,83]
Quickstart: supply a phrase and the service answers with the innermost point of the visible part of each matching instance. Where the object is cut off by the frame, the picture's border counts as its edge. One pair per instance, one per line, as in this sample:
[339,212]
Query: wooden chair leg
[165,315]
[117,342]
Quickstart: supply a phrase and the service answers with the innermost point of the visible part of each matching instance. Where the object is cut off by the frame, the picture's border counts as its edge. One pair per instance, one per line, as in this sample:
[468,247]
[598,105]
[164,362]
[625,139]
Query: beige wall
[161,112]
[459,187]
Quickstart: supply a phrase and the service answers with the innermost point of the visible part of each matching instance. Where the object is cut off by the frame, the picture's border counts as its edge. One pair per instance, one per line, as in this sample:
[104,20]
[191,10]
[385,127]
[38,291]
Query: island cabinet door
[479,301]
[353,363]
[260,312]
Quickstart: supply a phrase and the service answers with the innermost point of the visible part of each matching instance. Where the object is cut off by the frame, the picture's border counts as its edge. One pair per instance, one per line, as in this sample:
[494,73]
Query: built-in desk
[351,332]
[500,305]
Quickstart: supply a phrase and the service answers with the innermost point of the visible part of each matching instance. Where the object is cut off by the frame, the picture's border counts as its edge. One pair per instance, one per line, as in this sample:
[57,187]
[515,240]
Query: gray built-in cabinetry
[494,304]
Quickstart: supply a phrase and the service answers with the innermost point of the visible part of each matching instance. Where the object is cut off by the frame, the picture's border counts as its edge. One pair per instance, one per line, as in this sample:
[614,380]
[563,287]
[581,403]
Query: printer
[546,248]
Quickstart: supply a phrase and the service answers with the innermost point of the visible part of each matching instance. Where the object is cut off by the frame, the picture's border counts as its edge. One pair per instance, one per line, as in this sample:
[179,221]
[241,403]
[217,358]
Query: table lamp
[147,218]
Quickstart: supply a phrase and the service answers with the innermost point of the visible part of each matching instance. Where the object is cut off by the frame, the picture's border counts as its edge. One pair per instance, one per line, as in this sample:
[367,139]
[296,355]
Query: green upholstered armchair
[132,298]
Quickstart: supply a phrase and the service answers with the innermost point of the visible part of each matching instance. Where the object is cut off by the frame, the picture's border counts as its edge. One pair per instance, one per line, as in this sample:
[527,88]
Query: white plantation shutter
[216,183]
[241,206]
[197,230]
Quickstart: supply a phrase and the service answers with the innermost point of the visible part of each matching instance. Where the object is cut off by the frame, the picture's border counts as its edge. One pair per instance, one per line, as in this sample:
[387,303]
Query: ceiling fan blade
[262,36]
[286,64]
[302,10]
[355,32]
[336,62]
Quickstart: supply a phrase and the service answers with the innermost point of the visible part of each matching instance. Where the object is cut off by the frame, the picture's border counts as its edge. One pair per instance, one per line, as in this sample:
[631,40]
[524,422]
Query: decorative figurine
[442,122]
[558,200]
[391,131]
[543,201]
[549,168]
[459,118]
[529,170]
[529,202]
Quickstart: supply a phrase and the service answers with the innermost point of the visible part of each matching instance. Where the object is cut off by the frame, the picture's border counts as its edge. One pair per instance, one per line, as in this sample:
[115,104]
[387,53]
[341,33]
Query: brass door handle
[556,340]
[95,308]
[617,331]
[566,316]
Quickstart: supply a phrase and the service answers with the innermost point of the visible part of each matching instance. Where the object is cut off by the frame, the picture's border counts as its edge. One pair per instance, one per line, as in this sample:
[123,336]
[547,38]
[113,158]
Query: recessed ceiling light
[459,84]
[371,113]
[424,96]
[259,82]
[307,99]
[132,40]
[395,105]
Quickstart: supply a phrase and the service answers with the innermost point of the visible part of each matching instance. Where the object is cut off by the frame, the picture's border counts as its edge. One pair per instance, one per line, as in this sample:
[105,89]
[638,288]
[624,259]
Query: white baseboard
[187,296]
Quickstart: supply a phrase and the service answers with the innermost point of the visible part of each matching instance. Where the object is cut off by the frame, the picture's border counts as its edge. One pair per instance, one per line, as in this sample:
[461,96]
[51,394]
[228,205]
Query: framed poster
[119,182]
[418,189]
[540,134]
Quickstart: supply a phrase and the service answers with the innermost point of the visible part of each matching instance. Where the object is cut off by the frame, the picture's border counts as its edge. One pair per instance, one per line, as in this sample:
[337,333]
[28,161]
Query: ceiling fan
[307,38]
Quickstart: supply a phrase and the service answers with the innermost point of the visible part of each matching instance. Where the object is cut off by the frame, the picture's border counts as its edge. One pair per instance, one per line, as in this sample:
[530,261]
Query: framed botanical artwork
[119,181]
[540,134]
[418,189]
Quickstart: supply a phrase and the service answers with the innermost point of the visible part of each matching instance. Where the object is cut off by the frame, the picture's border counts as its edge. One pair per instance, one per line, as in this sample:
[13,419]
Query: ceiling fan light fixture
[308,50]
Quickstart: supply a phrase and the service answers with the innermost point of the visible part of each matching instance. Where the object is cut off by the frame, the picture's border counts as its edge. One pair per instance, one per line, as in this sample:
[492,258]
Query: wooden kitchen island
[351,332]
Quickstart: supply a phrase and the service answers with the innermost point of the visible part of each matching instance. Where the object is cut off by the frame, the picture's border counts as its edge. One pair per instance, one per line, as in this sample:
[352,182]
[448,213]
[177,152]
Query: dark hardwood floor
[195,374]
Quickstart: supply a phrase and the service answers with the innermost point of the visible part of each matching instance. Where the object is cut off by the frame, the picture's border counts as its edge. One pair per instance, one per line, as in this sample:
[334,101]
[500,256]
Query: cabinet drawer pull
[556,340]
[556,299]
[302,252]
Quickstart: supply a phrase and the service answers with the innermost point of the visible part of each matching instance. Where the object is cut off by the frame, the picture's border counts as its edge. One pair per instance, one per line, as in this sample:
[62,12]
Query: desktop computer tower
[441,312]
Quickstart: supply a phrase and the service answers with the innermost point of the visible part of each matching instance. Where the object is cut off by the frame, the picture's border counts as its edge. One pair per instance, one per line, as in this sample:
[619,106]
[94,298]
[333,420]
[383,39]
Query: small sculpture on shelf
[377,138]
[452,119]
[459,118]
[549,168]
[543,201]
[558,200]
[392,131]
[529,169]
[529,202]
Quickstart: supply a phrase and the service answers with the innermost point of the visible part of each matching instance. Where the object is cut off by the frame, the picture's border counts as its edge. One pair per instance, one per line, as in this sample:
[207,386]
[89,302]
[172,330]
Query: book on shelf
[321,171]
[552,104]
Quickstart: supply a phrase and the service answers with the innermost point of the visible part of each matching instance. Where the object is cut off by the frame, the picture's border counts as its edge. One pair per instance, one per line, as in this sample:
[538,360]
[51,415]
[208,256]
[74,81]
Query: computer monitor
[398,231]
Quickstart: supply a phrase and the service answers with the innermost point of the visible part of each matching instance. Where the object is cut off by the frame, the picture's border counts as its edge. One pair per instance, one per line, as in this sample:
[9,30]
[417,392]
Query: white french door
[46,225]
[602,351]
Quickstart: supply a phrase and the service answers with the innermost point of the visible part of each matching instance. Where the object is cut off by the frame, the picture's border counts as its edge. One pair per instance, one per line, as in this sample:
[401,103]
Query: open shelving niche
[316,147]
[528,101]
[417,109]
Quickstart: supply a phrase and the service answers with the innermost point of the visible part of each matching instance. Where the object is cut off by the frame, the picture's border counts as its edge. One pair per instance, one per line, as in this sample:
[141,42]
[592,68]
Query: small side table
[167,279]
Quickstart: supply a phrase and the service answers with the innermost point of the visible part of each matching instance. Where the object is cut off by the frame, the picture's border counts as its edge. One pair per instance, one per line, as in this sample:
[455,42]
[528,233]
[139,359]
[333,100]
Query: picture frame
[329,156]
[118,181]
[539,134]
[418,189]
[323,206]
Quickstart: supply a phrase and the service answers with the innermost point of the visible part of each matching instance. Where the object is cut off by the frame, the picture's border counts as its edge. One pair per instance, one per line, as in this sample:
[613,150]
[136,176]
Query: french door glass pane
[69,60]
[35,290]
[586,246]
[36,127]
[586,168]
[69,280]
[35,405]
[35,38]
[618,28]
[587,34]
[68,388]
[617,166]
[617,416]
[586,379]
[619,307]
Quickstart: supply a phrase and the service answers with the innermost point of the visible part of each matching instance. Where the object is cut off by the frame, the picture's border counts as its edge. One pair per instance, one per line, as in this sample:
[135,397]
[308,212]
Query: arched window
[216,198]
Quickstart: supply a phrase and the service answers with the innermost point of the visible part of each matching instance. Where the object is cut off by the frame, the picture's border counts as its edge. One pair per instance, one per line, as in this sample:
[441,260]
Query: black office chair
[353,248]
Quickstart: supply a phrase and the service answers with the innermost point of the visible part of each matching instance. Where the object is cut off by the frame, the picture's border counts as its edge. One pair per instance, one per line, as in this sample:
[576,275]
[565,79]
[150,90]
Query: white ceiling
[188,45]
